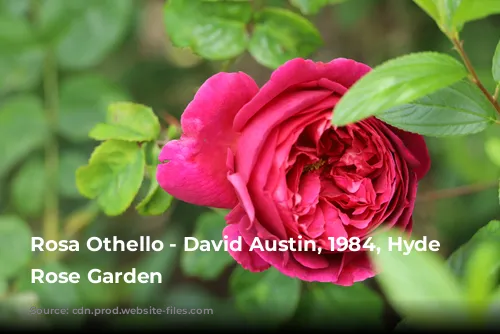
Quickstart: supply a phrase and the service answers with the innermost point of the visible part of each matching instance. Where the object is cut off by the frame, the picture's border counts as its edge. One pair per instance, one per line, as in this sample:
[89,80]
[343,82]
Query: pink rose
[273,157]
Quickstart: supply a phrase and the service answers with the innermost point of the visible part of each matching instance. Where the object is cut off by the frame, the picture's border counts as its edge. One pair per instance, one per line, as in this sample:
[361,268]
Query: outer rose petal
[248,260]
[416,144]
[196,171]
[344,72]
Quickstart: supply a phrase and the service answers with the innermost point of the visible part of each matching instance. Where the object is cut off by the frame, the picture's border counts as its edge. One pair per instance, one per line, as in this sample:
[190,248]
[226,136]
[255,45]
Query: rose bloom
[272,156]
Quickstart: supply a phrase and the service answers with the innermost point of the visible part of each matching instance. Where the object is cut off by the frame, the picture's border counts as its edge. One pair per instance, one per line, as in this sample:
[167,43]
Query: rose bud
[272,156]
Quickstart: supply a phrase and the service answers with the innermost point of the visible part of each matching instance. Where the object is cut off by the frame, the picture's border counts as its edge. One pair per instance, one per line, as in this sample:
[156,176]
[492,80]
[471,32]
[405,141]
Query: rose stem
[475,79]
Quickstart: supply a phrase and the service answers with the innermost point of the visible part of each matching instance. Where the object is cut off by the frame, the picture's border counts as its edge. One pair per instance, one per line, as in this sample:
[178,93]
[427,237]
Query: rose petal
[415,144]
[249,260]
[196,171]
[344,72]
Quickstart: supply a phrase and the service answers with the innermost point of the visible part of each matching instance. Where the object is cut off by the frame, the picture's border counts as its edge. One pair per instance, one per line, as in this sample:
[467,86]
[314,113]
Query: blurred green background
[55,88]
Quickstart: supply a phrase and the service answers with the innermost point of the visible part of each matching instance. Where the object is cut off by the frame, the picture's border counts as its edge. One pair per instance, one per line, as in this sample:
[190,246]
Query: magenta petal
[196,170]
[416,144]
[299,71]
[249,260]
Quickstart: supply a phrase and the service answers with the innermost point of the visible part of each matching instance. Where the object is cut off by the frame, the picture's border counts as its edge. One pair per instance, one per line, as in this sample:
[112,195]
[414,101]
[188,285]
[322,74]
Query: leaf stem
[497,92]
[226,65]
[50,88]
[79,219]
[474,77]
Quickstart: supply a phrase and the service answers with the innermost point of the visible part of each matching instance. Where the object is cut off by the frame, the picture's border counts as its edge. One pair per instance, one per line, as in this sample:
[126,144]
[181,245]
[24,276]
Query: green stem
[473,75]
[226,65]
[50,87]
[497,92]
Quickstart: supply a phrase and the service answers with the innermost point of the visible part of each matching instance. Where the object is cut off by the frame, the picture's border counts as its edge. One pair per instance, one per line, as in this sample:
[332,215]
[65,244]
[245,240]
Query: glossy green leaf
[418,285]
[398,81]
[24,115]
[69,162]
[459,109]
[496,64]
[481,275]
[347,307]
[459,258]
[94,32]
[15,245]
[431,8]
[207,265]
[28,188]
[310,7]
[84,101]
[492,146]
[129,122]
[470,10]
[268,297]
[113,176]
[157,201]
[280,35]
[214,30]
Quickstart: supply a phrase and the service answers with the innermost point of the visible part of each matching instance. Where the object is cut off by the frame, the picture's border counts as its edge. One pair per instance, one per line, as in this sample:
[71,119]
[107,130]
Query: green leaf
[458,259]
[20,70]
[492,146]
[496,64]
[311,7]
[207,265]
[280,35]
[55,295]
[459,109]
[14,7]
[20,55]
[94,31]
[113,176]
[163,262]
[398,81]
[418,285]
[268,297]
[83,104]
[28,188]
[356,306]
[494,309]
[69,162]
[15,245]
[157,201]
[470,10]
[20,115]
[431,8]
[15,32]
[481,275]
[129,122]
[214,30]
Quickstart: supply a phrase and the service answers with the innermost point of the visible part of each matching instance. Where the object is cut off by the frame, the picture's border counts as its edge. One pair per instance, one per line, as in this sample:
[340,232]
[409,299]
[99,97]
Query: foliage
[78,160]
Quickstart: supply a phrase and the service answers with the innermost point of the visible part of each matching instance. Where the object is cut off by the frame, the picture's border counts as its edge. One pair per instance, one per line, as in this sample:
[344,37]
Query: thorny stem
[50,87]
[474,77]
